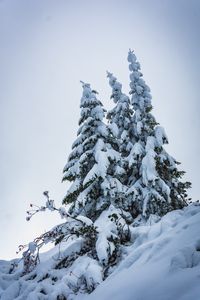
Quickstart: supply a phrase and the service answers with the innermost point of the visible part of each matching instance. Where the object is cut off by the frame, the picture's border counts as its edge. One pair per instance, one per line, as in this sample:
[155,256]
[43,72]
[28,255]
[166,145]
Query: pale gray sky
[47,46]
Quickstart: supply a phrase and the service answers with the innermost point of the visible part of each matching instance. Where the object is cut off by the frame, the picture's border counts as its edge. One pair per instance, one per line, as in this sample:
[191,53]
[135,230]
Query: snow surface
[161,263]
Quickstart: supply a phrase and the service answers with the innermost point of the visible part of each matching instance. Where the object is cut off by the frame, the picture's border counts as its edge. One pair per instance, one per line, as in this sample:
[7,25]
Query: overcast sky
[46,47]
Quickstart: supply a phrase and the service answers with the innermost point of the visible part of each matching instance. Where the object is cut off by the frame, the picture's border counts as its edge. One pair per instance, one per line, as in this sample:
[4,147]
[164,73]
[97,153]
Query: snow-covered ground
[163,263]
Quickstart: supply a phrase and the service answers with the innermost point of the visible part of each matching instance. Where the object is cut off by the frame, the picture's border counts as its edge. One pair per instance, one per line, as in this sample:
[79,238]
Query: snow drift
[162,262]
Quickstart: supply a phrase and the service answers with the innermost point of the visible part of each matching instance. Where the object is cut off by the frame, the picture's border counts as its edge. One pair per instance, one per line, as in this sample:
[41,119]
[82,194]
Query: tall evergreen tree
[96,192]
[154,185]
[119,172]
[91,165]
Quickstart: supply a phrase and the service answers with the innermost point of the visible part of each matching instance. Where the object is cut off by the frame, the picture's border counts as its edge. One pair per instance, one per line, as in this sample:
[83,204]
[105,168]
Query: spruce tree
[91,164]
[118,172]
[155,185]
[96,192]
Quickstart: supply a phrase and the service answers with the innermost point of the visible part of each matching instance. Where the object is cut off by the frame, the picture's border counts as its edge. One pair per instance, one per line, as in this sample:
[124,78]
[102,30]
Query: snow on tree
[95,226]
[154,185]
[121,127]
[91,165]
[96,192]
[119,173]
[120,117]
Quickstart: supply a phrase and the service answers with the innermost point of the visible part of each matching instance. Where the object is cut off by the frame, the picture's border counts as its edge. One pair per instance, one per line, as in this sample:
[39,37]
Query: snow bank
[161,263]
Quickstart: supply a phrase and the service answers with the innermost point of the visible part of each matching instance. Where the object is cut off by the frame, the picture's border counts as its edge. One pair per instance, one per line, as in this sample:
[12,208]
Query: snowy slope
[163,263]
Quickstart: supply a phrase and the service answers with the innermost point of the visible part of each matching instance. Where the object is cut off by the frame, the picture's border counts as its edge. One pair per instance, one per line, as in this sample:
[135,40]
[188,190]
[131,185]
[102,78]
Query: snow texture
[163,257]
[163,263]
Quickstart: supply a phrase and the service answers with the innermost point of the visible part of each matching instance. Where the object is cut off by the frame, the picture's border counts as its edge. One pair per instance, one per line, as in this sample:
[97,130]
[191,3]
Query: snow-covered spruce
[96,191]
[154,183]
[120,117]
[92,165]
[121,177]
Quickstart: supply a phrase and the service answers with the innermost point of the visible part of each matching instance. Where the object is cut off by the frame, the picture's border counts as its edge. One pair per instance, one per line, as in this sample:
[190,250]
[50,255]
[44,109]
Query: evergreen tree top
[117,93]
[121,113]
[141,97]
[120,117]
[91,107]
